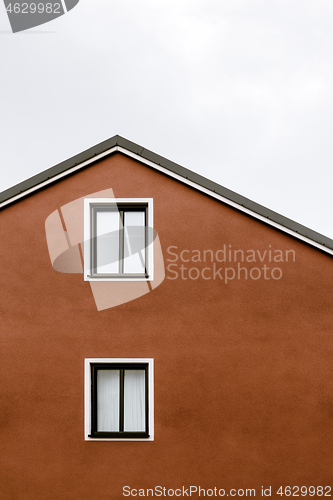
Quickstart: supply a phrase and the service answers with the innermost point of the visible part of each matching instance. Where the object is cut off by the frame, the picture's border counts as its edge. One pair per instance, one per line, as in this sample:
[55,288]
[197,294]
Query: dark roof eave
[174,168]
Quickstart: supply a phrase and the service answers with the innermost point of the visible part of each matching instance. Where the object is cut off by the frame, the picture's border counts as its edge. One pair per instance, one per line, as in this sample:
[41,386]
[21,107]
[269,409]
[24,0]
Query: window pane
[108,400]
[134,225]
[107,241]
[134,400]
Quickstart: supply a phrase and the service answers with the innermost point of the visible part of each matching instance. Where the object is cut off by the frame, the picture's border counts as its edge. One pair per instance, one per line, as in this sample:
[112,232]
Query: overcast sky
[240,91]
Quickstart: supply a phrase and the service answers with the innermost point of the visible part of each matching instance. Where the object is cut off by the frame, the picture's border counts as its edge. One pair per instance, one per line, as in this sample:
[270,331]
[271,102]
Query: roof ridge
[85,158]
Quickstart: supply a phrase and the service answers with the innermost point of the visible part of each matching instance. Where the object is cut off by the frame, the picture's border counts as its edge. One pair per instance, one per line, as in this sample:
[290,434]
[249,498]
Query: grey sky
[240,91]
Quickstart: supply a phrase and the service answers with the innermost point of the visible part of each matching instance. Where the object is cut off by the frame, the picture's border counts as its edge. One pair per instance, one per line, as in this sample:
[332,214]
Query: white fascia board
[59,176]
[225,200]
[180,179]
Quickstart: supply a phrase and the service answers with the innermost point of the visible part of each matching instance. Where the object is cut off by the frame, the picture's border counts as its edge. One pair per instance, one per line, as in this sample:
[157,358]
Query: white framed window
[118,239]
[119,399]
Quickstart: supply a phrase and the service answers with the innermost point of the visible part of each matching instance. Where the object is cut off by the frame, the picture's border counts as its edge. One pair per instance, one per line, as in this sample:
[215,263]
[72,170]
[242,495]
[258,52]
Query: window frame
[91,367]
[122,205]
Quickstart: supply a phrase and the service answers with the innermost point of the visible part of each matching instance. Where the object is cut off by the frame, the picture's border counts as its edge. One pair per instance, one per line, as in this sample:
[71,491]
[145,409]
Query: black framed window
[119,400]
[119,240]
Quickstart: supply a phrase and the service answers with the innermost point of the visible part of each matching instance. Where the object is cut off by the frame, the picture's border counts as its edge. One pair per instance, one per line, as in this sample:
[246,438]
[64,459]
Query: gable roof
[153,160]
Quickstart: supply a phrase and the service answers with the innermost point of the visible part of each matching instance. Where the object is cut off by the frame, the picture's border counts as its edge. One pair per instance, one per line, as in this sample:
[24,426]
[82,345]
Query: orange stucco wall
[243,370]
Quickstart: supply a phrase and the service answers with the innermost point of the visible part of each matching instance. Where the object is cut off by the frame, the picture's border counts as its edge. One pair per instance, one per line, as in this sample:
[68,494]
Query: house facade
[160,336]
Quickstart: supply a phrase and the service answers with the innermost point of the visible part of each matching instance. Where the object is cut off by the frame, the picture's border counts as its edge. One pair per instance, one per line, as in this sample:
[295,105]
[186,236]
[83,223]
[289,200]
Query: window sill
[117,278]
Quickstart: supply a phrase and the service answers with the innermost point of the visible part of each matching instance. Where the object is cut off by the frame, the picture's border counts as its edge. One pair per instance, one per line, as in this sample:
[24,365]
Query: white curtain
[134,400]
[107,234]
[134,227]
[108,400]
